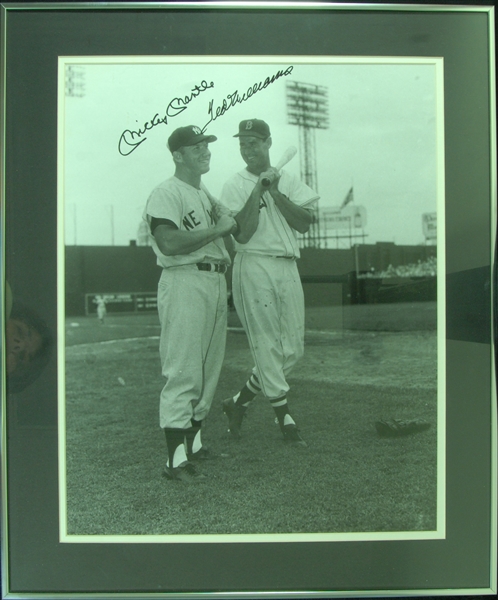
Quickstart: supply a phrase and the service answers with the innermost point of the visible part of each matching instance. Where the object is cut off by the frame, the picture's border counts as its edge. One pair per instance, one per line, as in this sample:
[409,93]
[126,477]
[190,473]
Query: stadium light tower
[307,107]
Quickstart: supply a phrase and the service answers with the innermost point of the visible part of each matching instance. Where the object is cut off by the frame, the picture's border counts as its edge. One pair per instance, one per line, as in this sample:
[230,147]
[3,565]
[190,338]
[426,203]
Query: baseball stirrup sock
[253,384]
[281,409]
[175,442]
[248,392]
[193,439]
[288,420]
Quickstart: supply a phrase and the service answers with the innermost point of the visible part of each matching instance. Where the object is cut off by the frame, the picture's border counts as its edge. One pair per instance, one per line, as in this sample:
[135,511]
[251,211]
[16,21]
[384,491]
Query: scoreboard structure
[343,223]
[429,227]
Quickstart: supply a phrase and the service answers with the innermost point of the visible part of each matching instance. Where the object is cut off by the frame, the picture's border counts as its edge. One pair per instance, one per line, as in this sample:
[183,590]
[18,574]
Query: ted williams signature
[130,140]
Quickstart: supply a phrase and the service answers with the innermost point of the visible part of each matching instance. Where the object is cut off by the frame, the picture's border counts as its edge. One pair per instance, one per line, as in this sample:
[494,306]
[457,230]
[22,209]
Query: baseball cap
[188,136]
[254,128]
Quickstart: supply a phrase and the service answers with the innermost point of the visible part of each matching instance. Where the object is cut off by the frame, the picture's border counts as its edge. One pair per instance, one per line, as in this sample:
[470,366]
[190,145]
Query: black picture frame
[35,563]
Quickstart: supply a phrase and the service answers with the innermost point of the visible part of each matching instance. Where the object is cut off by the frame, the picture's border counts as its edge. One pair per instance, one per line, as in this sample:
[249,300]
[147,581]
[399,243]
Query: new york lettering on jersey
[189,221]
[189,209]
[202,216]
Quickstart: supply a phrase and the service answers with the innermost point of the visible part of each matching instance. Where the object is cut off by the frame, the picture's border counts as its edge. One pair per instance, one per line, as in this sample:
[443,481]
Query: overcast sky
[384,136]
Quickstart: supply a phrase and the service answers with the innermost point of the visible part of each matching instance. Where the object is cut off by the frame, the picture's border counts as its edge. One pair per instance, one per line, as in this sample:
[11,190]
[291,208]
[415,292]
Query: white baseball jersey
[188,208]
[267,289]
[192,306]
[273,236]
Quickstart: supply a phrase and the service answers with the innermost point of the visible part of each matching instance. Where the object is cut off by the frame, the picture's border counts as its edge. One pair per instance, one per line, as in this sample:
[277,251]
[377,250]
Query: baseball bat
[287,156]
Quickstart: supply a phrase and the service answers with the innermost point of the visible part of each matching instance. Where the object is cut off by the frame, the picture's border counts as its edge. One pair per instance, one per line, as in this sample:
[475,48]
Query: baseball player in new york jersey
[187,226]
[266,286]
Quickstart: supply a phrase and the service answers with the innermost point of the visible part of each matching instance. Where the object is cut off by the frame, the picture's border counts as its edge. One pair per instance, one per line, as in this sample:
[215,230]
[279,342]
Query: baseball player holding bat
[187,226]
[272,206]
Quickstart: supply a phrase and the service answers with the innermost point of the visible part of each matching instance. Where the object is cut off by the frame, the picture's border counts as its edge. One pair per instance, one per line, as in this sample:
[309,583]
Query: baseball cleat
[291,436]
[185,472]
[201,455]
[399,427]
[235,414]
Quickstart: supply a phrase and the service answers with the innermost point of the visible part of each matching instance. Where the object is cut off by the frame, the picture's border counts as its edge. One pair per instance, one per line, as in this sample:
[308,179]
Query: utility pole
[74,224]
[112,224]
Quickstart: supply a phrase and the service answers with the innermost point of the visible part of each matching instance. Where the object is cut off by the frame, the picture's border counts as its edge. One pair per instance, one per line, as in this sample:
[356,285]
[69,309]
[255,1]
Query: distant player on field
[266,287]
[187,226]
[101,308]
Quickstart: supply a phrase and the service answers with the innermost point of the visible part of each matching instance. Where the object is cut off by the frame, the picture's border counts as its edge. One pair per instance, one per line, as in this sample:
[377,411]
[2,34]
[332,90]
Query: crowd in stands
[427,268]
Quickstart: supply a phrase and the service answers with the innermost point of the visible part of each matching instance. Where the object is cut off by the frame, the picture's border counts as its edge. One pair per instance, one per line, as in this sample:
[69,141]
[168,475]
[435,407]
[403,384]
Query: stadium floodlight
[307,108]
[307,105]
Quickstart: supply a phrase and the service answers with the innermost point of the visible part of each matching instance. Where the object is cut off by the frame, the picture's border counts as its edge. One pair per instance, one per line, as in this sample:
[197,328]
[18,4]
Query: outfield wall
[329,275]
[113,269]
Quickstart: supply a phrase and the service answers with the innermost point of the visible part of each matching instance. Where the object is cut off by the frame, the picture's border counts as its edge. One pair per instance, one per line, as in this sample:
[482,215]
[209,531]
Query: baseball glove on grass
[399,427]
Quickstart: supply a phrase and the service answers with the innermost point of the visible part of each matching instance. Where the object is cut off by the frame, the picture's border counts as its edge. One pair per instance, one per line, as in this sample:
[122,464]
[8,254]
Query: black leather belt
[216,267]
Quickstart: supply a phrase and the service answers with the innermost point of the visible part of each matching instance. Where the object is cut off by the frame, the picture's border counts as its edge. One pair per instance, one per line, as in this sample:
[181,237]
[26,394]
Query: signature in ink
[236,98]
[130,140]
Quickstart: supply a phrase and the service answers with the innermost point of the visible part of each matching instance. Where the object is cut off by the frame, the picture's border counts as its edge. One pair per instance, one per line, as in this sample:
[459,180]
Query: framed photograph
[272,224]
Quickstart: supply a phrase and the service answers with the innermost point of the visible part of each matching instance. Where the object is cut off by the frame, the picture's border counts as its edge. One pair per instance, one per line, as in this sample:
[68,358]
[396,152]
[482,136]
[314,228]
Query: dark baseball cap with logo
[253,128]
[188,136]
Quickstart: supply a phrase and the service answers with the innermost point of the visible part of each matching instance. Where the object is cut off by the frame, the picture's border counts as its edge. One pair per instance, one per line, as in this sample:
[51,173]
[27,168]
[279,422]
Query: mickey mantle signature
[131,140]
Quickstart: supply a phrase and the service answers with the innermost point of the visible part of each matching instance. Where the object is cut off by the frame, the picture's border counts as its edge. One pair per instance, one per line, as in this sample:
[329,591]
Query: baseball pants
[269,300]
[192,307]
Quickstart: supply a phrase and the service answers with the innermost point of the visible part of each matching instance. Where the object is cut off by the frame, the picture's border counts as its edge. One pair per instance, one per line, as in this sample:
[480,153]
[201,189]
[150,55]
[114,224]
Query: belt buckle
[212,267]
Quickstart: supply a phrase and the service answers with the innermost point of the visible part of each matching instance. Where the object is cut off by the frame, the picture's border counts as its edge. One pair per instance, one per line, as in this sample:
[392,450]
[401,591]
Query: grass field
[347,480]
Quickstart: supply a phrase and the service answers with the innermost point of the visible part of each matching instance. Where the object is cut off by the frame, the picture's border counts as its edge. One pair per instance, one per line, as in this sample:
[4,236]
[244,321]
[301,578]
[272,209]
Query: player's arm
[297,217]
[248,217]
[172,241]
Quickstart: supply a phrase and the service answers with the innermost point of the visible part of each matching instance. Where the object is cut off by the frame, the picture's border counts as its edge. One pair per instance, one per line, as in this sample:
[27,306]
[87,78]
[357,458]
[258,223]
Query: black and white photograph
[249,257]
[249,299]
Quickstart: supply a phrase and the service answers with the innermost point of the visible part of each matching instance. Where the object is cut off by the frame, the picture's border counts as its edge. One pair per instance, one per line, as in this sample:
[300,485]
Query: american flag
[349,198]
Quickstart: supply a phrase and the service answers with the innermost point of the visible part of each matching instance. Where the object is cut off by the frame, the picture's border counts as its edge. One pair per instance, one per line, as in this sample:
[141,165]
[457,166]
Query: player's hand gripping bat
[286,157]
